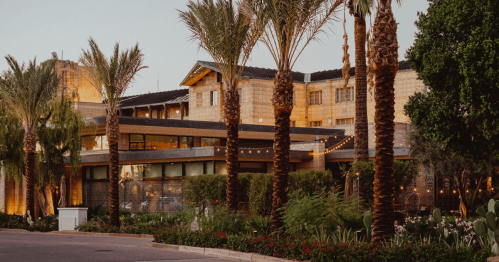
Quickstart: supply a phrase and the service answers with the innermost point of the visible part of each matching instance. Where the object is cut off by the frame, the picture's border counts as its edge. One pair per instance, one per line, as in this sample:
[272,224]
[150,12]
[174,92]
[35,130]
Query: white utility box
[70,217]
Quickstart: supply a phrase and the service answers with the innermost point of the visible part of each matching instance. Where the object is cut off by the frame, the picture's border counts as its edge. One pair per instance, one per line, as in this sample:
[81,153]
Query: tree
[27,91]
[287,27]
[228,36]
[446,165]
[359,9]
[455,54]
[111,77]
[385,59]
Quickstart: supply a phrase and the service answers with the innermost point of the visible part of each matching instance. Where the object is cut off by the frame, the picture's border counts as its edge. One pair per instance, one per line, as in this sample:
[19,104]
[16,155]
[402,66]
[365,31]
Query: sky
[36,28]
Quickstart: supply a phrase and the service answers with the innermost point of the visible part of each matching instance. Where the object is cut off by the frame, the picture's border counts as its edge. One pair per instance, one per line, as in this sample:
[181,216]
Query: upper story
[320,99]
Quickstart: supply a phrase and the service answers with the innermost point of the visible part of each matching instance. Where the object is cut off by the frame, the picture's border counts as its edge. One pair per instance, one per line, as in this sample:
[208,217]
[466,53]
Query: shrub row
[204,190]
[317,251]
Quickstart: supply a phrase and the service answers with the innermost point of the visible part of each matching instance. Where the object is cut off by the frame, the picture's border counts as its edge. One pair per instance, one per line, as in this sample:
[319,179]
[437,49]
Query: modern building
[165,136]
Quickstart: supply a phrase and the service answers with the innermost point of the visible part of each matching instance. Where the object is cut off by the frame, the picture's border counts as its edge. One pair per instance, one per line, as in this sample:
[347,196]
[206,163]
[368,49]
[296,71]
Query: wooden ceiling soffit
[195,75]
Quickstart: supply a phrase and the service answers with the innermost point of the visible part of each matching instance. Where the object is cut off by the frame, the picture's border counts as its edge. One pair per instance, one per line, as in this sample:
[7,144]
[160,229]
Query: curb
[493,259]
[221,253]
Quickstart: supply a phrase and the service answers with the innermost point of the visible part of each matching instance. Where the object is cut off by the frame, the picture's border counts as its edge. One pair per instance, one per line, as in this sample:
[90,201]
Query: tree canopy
[456,55]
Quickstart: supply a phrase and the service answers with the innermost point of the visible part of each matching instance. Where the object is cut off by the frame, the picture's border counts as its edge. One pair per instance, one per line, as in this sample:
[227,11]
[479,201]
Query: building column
[134,112]
[166,110]
[158,111]
[120,111]
[150,111]
[181,110]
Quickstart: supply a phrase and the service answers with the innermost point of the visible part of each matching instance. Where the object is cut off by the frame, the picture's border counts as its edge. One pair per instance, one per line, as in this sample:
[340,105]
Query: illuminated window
[207,141]
[94,143]
[315,123]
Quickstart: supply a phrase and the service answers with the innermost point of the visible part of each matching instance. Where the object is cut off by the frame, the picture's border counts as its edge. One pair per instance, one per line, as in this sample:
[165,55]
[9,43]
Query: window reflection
[207,141]
[161,142]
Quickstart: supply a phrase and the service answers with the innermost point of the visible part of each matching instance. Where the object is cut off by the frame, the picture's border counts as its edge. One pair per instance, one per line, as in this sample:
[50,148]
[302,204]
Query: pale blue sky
[39,27]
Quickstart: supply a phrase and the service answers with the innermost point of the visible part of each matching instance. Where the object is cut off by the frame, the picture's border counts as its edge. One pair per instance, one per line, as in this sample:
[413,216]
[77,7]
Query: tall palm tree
[385,58]
[359,9]
[229,37]
[28,92]
[287,26]
[112,77]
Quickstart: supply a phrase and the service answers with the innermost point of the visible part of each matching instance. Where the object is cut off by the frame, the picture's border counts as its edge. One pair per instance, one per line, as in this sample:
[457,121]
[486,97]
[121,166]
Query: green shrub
[11,221]
[305,215]
[45,224]
[260,194]
[204,190]
[223,221]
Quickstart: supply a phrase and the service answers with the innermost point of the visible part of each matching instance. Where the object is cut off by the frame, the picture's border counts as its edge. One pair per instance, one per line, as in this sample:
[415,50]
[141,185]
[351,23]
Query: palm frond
[223,32]
[288,26]
[28,90]
[111,77]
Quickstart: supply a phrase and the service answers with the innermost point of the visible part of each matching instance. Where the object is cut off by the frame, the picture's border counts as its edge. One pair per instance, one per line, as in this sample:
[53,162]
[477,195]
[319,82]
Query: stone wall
[199,99]
[75,78]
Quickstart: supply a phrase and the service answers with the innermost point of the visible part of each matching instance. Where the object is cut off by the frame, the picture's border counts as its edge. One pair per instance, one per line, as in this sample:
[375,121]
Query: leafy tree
[229,37]
[28,91]
[447,165]
[111,77]
[11,143]
[455,54]
[404,173]
[287,27]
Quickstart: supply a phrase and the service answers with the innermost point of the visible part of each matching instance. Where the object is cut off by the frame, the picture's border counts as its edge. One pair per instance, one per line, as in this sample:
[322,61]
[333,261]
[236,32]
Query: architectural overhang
[189,155]
[346,155]
[197,72]
[154,126]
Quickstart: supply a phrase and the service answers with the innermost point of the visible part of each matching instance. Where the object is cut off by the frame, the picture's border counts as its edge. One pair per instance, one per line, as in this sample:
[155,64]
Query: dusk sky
[40,27]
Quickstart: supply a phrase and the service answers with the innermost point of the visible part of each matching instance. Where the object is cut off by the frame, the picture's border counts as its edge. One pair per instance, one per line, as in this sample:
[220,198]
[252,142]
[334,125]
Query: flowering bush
[427,227]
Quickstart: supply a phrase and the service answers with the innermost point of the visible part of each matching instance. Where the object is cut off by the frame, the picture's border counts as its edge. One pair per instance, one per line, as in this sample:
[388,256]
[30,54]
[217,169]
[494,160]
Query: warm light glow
[258,151]
[428,191]
[147,114]
[250,151]
[242,151]
[178,111]
[401,188]
[218,149]
[454,191]
[480,190]
[357,174]
[441,191]
[415,189]
[467,191]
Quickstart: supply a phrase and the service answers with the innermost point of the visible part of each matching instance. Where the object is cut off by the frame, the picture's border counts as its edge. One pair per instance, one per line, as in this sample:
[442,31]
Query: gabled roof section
[157,98]
[202,68]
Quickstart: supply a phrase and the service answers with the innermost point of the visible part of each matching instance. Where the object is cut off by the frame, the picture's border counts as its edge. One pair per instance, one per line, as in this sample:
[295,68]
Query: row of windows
[162,170]
[150,142]
[342,121]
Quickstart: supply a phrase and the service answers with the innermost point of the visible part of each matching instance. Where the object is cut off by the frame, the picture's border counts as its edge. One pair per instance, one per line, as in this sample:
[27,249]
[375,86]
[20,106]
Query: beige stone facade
[75,78]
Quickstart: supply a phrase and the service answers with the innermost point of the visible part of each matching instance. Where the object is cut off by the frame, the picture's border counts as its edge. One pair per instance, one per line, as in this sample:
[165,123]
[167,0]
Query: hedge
[202,191]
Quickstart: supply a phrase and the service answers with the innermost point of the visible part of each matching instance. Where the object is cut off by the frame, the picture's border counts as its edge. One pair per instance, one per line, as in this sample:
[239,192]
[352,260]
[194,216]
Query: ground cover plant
[42,224]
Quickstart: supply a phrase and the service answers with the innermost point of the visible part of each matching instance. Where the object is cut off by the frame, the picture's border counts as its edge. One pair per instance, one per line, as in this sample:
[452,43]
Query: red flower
[271,244]
[307,250]
[328,249]
[303,245]
[274,255]
[321,249]
[249,241]
[290,245]
[314,245]
[283,245]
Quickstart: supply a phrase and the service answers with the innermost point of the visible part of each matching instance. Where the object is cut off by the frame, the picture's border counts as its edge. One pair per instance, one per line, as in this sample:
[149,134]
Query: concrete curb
[221,253]
[493,259]
[80,233]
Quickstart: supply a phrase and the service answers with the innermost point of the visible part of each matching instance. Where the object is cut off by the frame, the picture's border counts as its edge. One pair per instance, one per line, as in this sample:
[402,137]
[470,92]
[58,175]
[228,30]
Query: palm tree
[287,26]
[111,77]
[385,58]
[359,9]
[28,92]
[228,36]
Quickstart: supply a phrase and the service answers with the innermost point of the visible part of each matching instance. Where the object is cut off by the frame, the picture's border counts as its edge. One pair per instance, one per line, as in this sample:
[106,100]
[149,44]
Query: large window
[208,141]
[315,123]
[344,121]
[157,142]
[315,98]
[344,95]
[161,142]
[94,143]
[213,98]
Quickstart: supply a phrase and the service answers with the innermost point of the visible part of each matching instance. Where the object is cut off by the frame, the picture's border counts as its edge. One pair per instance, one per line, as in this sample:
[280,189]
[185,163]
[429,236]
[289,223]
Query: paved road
[46,247]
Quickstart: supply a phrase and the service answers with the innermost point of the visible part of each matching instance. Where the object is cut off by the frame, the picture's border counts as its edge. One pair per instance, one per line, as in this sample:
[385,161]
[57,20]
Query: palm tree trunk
[386,61]
[283,105]
[232,115]
[361,148]
[30,149]
[112,132]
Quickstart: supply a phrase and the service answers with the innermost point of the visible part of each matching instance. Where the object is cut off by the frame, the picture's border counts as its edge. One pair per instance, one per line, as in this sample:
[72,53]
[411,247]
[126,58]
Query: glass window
[186,141]
[154,170]
[221,168]
[105,144]
[91,143]
[87,172]
[344,95]
[207,141]
[315,123]
[194,169]
[161,142]
[100,172]
[209,167]
[173,170]
[315,98]
[136,142]
[213,98]
[131,171]
[344,121]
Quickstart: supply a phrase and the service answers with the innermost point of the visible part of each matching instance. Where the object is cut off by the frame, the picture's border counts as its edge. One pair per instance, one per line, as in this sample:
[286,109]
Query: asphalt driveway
[41,247]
